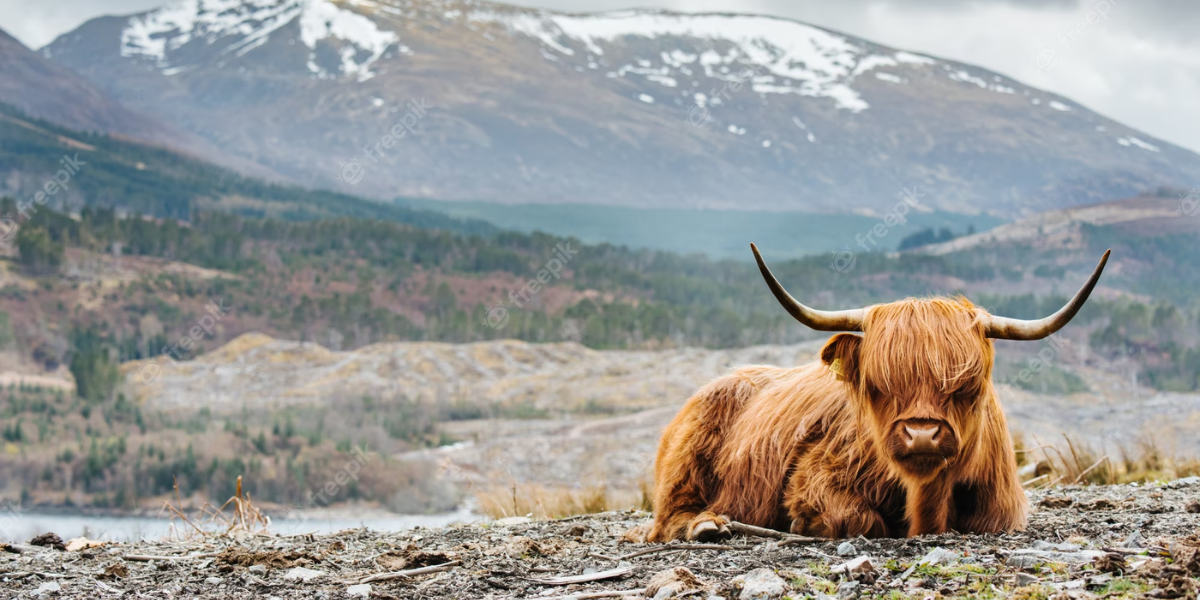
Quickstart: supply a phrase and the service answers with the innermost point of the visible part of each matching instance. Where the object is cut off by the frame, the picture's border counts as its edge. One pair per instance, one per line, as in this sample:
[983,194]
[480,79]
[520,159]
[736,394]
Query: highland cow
[895,432]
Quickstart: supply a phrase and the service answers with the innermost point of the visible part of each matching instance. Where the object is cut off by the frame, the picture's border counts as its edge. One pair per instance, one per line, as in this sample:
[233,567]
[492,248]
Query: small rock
[303,574]
[510,521]
[672,582]
[47,588]
[257,568]
[213,581]
[1193,507]
[362,590]
[1133,541]
[760,584]
[858,566]
[846,549]
[1186,481]
[578,530]
[1019,561]
[937,556]
[1024,579]
[940,556]
[847,590]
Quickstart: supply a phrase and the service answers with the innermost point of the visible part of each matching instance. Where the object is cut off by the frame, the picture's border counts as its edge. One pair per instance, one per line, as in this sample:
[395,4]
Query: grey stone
[847,590]
[760,584]
[303,574]
[1024,579]
[213,581]
[258,568]
[846,549]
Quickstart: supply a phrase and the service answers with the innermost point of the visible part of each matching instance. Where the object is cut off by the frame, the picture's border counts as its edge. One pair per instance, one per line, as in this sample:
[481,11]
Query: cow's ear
[840,354]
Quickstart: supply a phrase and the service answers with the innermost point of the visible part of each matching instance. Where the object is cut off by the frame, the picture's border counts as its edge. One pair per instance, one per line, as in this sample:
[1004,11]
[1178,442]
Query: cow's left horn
[821,320]
[1003,328]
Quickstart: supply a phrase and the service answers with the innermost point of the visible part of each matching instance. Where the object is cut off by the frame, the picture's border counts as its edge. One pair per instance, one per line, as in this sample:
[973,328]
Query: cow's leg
[843,516]
[822,505]
[684,479]
[988,497]
[929,507]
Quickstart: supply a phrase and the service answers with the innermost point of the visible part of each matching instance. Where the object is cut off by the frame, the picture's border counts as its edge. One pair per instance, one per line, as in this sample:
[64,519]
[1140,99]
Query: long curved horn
[821,320]
[1004,328]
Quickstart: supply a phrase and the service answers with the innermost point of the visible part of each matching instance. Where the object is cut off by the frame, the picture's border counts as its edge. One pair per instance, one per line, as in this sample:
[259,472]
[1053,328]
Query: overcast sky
[1137,61]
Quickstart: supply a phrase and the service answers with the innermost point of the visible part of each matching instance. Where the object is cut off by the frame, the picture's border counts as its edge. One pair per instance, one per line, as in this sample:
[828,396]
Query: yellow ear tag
[836,367]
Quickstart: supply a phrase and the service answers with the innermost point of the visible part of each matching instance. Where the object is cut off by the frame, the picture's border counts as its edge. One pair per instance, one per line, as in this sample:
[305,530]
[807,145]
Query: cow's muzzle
[923,445]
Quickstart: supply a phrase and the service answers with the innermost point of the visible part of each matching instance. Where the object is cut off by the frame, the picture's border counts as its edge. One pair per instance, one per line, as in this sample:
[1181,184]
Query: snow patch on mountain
[806,60]
[240,26]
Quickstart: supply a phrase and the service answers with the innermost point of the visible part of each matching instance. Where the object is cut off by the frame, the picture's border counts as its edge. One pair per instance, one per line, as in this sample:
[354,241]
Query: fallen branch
[151,557]
[411,572]
[584,578]
[673,547]
[784,538]
[602,556]
[613,594]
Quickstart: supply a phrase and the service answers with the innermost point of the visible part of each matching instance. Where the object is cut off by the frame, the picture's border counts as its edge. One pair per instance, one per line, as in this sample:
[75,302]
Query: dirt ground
[1128,541]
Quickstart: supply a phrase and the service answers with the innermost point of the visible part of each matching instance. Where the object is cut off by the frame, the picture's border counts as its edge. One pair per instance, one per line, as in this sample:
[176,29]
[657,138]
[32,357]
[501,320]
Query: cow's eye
[965,395]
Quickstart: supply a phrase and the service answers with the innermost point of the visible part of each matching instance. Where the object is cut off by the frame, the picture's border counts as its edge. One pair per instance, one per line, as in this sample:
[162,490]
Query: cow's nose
[922,439]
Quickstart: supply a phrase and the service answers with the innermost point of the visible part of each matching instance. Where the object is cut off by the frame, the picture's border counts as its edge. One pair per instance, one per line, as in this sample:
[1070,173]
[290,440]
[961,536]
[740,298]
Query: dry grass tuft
[542,502]
[244,518]
[1073,462]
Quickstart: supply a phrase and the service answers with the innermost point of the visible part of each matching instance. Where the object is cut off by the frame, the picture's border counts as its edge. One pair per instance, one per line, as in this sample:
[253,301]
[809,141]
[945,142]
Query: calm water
[24,526]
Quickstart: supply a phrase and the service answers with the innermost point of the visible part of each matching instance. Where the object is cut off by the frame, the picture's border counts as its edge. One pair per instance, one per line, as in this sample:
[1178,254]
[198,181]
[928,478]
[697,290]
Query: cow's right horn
[1004,328]
[821,320]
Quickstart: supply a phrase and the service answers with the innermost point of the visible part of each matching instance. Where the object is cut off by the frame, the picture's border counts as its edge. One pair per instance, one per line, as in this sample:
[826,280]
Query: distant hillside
[144,179]
[715,233]
[484,101]
[1154,240]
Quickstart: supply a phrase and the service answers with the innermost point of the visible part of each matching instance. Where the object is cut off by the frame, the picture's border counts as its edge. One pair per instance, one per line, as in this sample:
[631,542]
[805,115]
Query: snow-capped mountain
[475,100]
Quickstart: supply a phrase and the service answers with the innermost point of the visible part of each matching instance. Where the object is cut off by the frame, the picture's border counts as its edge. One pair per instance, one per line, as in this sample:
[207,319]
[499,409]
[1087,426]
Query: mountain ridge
[633,108]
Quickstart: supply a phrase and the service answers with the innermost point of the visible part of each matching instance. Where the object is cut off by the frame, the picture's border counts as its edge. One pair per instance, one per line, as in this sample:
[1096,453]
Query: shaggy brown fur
[823,449]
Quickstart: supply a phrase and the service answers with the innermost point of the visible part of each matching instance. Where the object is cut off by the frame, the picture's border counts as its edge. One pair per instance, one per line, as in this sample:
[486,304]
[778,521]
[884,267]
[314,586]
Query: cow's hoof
[710,531]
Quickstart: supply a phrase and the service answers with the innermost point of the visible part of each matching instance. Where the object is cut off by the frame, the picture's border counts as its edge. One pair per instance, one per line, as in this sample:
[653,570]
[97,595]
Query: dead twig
[785,538]
[589,595]
[1089,469]
[151,557]
[674,547]
[1035,480]
[572,579]
[411,572]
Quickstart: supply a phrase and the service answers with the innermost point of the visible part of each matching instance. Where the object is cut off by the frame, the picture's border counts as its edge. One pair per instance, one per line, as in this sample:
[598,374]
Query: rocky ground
[1125,541]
